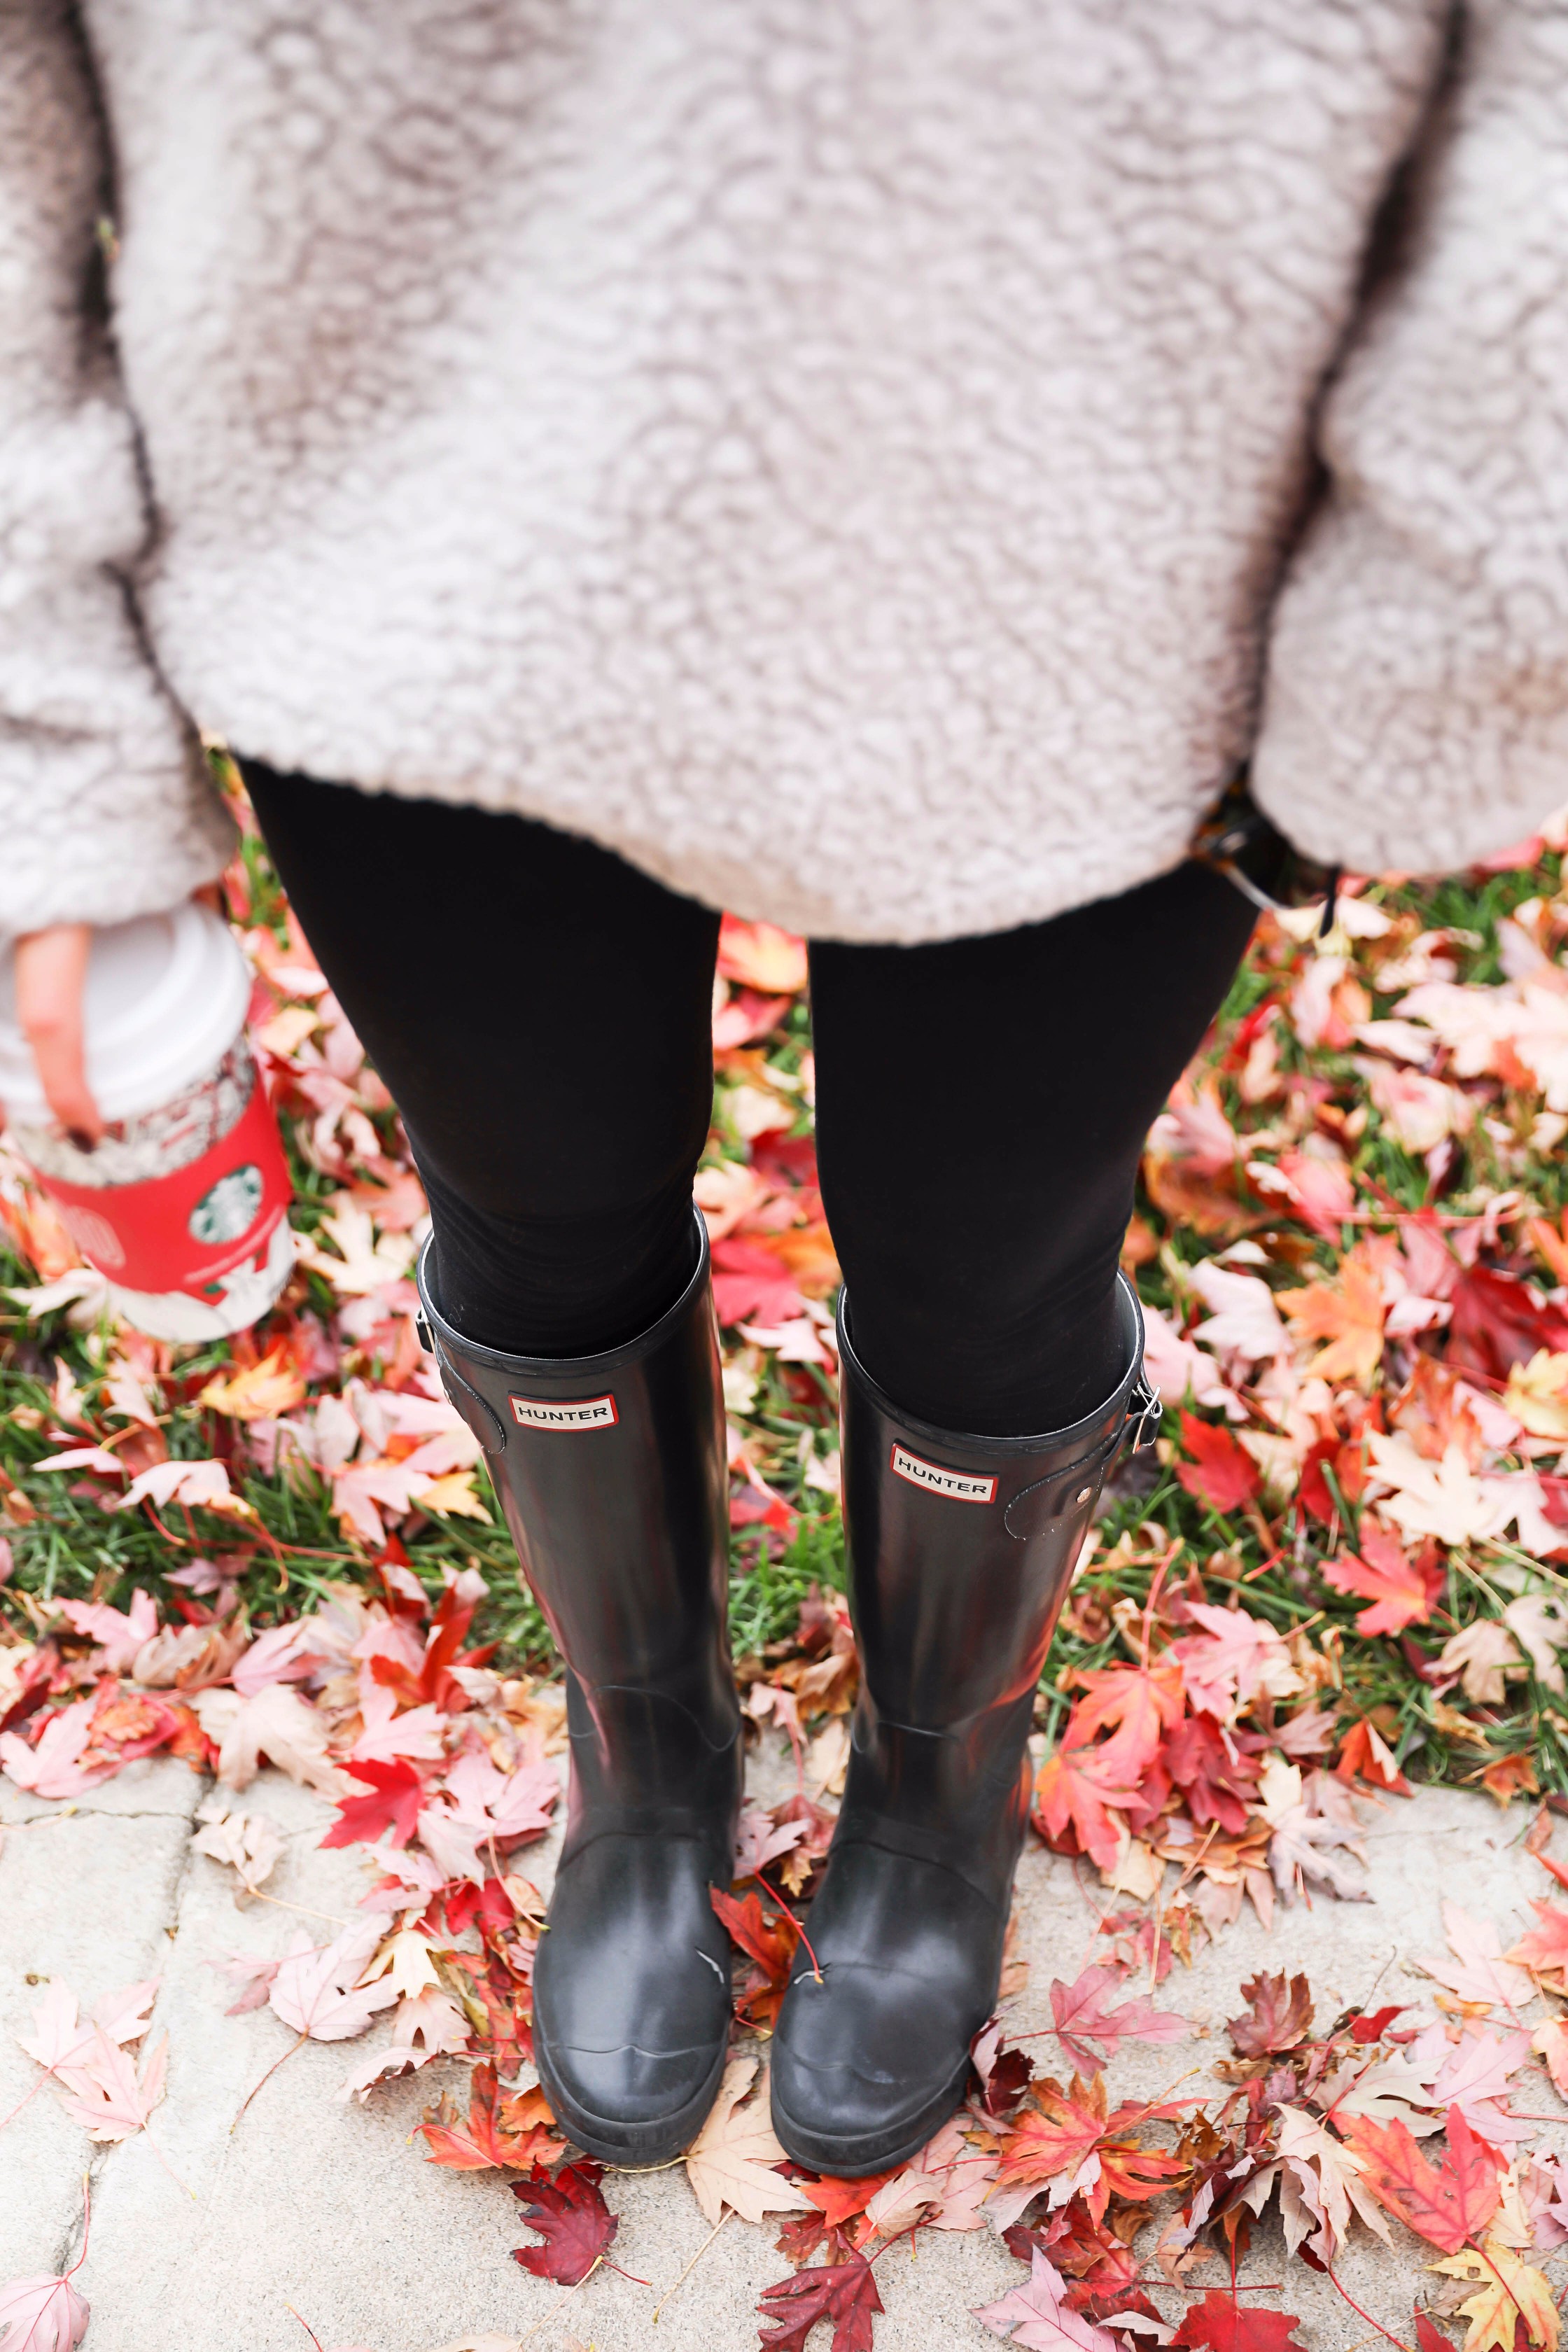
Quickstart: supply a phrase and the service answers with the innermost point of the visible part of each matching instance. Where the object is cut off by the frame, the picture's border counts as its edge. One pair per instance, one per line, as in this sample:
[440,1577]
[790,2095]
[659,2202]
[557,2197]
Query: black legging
[541,1011]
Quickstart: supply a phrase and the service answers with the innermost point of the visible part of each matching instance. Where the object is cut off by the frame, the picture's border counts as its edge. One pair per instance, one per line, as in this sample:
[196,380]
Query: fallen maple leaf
[1221,1473]
[946,2185]
[1544,1950]
[1367,1756]
[570,2219]
[1481,1655]
[1444,1498]
[263,1392]
[1081,2016]
[277,1723]
[1226,2325]
[247,1842]
[1139,1703]
[1073,1789]
[1404,1591]
[1236,1657]
[844,2292]
[1063,2130]
[1279,2015]
[316,1989]
[1511,2292]
[1444,2206]
[1039,2318]
[391,1810]
[1348,1315]
[730,2161]
[769,1939]
[1478,1970]
[42,2314]
[516,2129]
[106,2095]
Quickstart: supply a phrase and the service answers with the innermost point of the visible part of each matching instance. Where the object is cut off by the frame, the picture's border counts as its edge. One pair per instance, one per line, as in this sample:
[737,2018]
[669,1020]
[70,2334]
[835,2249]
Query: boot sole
[852,2159]
[630,2146]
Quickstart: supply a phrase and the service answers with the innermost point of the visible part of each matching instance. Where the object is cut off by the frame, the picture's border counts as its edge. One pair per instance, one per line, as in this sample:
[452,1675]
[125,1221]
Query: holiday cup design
[183,1206]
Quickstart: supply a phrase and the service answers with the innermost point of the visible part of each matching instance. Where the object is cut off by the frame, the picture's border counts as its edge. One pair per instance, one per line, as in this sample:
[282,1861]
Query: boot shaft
[960,1552]
[611,1469]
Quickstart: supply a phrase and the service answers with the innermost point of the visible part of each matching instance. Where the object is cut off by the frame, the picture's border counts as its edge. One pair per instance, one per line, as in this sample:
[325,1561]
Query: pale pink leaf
[41,2314]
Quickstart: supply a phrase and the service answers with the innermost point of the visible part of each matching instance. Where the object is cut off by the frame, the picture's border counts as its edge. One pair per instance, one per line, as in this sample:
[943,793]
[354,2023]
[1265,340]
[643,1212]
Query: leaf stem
[1360,2313]
[691,2265]
[268,2077]
[566,2298]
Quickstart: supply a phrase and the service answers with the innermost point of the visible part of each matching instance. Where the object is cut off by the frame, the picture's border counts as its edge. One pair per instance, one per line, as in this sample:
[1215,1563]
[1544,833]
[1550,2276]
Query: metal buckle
[1144,1411]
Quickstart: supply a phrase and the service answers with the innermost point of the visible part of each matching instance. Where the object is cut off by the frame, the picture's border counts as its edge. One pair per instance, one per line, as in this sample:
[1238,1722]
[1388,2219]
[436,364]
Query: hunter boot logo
[561,1413]
[957,1485]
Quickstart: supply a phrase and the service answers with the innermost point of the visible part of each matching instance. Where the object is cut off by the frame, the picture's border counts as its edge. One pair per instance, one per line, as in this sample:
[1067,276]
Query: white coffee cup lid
[165,998]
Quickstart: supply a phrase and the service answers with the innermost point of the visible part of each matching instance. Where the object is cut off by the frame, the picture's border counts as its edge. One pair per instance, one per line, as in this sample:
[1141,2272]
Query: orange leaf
[1348,1315]
[1072,1790]
[1367,1756]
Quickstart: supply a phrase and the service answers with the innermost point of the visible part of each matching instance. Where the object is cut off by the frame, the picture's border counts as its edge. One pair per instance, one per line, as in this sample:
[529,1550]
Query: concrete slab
[327,2206]
[89,1893]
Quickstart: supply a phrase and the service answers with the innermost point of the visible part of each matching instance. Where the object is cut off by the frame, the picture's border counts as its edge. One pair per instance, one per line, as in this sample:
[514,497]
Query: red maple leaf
[516,2130]
[845,2292]
[443,1649]
[1140,1701]
[1227,2326]
[1445,2206]
[1499,1322]
[770,1938]
[1221,1473]
[1404,1591]
[1073,1792]
[1346,1457]
[570,2217]
[498,2003]
[1063,2128]
[837,2201]
[397,1793]
[1279,2015]
[1217,1783]
[751,1285]
[1371,2025]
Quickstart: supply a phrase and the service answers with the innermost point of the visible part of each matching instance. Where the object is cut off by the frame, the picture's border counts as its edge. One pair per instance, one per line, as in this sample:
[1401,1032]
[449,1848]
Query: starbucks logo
[230,1209]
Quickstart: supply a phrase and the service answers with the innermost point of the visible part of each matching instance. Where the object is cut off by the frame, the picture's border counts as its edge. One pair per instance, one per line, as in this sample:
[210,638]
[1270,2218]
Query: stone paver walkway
[202,2242]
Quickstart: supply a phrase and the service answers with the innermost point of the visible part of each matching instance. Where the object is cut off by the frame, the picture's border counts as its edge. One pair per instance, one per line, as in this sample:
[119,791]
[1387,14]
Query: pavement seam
[96,2168]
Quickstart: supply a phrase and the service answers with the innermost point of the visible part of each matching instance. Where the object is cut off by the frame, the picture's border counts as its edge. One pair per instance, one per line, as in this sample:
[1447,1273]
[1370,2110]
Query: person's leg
[541,1014]
[981,1107]
[540,1011]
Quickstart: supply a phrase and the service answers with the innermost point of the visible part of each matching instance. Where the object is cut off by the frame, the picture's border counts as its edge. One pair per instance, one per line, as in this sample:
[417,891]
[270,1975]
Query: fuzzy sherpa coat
[878,464]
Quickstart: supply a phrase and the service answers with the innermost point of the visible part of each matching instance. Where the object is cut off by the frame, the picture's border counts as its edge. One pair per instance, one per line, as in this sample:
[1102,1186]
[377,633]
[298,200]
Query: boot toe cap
[866,2067]
[632,2000]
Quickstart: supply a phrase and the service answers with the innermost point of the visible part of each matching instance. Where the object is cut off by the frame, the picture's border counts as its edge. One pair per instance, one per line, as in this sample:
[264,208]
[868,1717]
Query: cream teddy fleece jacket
[880,465]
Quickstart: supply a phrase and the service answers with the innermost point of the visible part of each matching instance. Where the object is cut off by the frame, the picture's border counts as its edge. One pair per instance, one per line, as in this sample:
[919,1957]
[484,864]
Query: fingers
[51,971]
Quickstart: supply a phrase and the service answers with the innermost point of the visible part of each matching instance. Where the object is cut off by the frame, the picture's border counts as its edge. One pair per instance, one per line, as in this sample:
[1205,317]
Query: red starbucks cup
[183,1206]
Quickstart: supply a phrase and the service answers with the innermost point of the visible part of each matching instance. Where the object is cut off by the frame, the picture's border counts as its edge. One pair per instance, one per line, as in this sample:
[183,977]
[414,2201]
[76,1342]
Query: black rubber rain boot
[961,1551]
[611,1472]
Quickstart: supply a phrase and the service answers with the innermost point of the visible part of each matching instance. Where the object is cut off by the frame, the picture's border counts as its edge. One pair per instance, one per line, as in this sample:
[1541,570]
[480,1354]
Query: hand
[51,971]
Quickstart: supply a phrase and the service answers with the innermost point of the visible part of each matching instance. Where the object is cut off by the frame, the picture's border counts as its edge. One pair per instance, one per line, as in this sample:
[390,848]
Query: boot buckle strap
[1144,1411]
